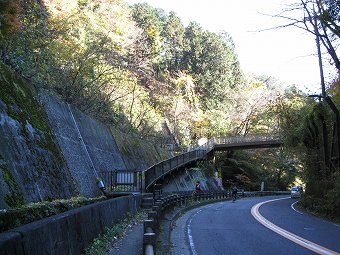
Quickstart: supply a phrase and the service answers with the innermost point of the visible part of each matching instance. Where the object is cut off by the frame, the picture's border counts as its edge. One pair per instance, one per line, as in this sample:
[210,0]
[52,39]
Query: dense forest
[140,69]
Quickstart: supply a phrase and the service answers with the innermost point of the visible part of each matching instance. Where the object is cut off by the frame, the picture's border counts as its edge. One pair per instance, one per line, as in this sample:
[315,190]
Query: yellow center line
[296,239]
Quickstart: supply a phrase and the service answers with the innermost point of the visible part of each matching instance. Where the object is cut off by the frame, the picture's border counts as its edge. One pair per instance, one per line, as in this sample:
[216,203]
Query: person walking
[234,192]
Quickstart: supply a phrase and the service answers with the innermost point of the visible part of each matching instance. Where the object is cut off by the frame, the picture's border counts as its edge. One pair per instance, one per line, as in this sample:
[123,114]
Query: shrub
[326,206]
[16,217]
[103,243]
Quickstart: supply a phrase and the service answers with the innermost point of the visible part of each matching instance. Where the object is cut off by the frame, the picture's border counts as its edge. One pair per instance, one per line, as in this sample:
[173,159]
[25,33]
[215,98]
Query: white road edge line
[191,240]
[292,206]
[296,239]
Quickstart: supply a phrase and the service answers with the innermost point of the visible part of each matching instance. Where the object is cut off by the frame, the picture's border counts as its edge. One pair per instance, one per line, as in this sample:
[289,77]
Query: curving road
[261,225]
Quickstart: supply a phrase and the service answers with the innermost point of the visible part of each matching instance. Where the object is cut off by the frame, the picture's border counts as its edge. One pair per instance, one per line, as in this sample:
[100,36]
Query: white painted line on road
[292,206]
[191,240]
[296,239]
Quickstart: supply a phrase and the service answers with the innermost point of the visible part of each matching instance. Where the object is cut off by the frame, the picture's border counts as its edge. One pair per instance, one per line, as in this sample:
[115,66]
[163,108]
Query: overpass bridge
[167,167]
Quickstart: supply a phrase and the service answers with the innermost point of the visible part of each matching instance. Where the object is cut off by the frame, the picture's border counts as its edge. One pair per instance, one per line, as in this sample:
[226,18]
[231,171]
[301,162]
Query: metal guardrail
[182,198]
[123,180]
[162,168]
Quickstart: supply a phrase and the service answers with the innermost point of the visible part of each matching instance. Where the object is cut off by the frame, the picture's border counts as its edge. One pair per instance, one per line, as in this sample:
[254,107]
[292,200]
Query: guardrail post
[155,208]
[174,200]
[149,241]
[179,199]
[159,204]
[149,226]
[153,215]
[187,199]
[169,201]
[164,203]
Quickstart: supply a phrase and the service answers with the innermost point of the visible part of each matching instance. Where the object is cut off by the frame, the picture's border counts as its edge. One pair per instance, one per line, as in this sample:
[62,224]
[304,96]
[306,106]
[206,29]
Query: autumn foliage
[9,16]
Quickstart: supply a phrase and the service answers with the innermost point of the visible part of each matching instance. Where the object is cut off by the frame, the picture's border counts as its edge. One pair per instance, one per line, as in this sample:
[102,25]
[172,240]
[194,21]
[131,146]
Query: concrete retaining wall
[100,145]
[67,233]
[31,167]
[185,181]
[137,153]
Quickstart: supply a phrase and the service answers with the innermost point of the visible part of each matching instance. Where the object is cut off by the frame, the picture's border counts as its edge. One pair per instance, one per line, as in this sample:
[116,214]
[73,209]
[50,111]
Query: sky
[288,54]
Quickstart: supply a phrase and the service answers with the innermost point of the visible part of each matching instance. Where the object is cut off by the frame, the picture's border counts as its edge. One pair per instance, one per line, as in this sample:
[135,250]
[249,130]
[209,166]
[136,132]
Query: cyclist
[197,187]
[234,192]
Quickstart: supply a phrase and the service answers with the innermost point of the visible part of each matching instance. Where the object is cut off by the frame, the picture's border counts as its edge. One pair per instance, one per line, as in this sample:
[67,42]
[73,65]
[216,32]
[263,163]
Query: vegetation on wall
[105,242]
[19,101]
[15,198]
[25,214]
[132,146]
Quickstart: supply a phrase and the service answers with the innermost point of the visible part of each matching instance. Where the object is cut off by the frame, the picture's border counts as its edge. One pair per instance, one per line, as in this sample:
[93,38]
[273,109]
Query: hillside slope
[42,154]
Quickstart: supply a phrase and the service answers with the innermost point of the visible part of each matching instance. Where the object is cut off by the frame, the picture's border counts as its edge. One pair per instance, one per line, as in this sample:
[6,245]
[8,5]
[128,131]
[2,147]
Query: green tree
[275,167]
[151,20]
[173,34]
[212,62]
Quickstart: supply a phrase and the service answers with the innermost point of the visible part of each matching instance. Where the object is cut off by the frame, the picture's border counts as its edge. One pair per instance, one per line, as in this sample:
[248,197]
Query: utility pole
[319,55]
[330,104]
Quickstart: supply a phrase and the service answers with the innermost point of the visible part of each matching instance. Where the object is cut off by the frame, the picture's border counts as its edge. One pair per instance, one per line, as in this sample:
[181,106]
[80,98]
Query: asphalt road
[246,227]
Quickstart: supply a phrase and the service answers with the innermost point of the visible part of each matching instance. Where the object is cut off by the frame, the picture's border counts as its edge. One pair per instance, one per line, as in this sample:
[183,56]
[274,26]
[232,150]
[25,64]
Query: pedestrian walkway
[131,243]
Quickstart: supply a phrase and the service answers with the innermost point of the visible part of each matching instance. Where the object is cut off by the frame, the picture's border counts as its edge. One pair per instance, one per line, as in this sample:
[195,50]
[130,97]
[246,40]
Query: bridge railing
[164,167]
[244,139]
[208,146]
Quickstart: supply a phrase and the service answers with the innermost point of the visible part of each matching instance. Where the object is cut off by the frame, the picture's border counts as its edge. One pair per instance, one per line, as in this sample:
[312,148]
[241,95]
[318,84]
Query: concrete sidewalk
[131,243]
